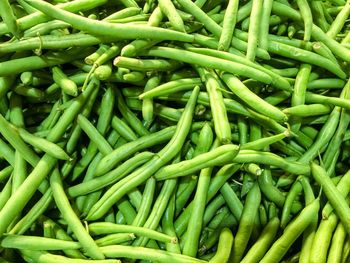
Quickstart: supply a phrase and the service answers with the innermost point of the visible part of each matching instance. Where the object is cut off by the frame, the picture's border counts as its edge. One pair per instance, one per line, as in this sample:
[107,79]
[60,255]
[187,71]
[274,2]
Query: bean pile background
[174,131]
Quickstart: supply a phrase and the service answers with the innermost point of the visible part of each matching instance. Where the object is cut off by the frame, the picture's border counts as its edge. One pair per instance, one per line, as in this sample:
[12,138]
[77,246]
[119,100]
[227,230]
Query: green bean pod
[291,233]
[266,238]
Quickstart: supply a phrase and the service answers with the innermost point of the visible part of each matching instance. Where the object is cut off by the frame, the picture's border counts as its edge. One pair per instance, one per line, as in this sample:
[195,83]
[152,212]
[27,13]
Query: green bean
[5,194]
[323,136]
[316,98]
[291,233]
[9,18]
[334,197]
[147,104]
[168,9]
[229,25]
[90,60]
[221,123]
[115,239]
[224,247]
[291,196]
[134,76]
[171,87]
[188,184]
[346,250]
[246,223]
[37,243]
[61,234]
[251,99]
[77,78]
[260,144]
[7,152]
[11,134]
[110,228]
[343,188]
[168,225]
[23,194]
[42,257]
[110,160]
[101,143]
[76,130]
[150,167]
[335,251]
[322,239]
[264,24]
[44,28]
[111,177]
[324,51]
[5,85]
[308,110]
[158,209]
[126,12]
[326,83]
[210,62]
[147,254]
[122,31]
[253,33]
[232,200]
[103,72]
[68,86]
[30,92]
[38,17]
[304,56]
[267,236]
[298,95]
[27,78]
[133,47]
[310,231]
[218,180]
[335,142]
[123,129]
[124,206]
[199,201]
[30,63]
[220,155]
[277,80]
[19,171]
[146,64]
[130,117]
[5,173]
[63,205]
[52,149]
[334,46]
[253,169]
[146,203]
[306,15]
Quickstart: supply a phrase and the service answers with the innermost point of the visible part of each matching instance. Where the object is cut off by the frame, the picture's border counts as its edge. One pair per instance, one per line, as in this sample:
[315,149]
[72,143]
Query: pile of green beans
[182,131]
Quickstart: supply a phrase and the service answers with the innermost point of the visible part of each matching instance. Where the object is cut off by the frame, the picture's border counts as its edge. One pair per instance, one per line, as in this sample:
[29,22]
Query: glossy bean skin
[335,198]
[222,154]
[246,223]
[267,236]
[291,233]
[19,199]
[110,228]
[243,92]
[96,27]
[68,213]
[41,257]
[224,246]
[210,62]
[37,243]
[147,253]
[150,167]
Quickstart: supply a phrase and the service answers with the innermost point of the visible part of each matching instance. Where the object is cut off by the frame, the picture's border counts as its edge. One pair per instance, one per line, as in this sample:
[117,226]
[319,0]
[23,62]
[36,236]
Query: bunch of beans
[174,131]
